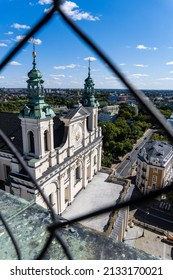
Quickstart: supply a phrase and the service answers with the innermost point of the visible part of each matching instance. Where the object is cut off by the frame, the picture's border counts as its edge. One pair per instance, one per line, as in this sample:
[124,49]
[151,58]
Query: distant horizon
[110,89]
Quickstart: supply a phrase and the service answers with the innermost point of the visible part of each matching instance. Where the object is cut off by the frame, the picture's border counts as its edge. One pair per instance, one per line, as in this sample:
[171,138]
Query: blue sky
[136,34]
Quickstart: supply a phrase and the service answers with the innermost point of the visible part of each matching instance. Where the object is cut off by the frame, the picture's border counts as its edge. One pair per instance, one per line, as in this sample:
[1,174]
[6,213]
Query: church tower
[89,101]
[37,120]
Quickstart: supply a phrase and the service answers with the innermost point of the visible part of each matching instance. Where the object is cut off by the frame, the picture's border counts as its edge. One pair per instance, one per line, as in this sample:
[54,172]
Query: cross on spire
[89,69]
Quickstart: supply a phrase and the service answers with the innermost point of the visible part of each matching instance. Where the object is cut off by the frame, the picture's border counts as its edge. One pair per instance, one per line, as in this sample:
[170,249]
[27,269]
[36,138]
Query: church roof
[11,126]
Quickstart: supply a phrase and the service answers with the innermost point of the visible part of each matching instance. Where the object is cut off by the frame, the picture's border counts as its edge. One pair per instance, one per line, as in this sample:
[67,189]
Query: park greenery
[120,136]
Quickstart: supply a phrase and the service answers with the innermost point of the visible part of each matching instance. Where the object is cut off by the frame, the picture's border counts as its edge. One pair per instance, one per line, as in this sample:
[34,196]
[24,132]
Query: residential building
[109,113]
[154,166]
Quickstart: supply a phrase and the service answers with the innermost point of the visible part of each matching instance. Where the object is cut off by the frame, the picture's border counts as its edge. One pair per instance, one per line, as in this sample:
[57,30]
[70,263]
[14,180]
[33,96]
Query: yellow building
[154,166]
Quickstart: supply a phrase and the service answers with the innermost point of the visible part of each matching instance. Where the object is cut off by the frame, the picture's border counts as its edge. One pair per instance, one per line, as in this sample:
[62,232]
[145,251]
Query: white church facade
[62,155]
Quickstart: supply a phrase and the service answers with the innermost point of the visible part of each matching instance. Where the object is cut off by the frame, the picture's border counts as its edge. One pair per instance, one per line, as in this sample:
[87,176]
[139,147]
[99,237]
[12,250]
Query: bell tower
[37,119]
[89,101]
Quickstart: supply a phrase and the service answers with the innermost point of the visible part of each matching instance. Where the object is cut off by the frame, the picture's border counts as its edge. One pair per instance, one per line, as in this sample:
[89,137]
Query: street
[155,217]
[124,169]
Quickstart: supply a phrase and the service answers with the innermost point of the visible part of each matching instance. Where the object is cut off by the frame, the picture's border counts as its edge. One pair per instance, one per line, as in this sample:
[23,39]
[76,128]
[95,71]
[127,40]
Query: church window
[7,170]
[66,194]
[95,121]
[88,172]
[51,199]
[78,177]
[46,140]
[31,142]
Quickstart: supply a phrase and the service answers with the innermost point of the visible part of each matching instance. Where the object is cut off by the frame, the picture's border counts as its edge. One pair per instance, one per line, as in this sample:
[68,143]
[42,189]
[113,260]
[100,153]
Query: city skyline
[136,36]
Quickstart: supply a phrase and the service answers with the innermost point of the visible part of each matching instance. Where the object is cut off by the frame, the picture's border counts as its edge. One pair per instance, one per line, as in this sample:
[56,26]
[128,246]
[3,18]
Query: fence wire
[149,106]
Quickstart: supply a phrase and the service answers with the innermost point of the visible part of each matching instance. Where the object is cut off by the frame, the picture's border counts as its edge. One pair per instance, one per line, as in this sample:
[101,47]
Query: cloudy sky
[137,35]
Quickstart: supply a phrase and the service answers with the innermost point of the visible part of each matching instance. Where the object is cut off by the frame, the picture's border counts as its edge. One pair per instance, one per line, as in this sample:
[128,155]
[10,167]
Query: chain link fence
[140,96]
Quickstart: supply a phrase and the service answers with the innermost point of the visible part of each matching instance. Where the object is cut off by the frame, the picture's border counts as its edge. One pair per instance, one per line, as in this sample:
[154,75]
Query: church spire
[36,106]
[89,69]
[34,55]
[88,98]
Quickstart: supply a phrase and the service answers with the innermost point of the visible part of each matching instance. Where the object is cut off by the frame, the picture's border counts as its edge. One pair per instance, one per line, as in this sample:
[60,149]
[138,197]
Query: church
[62,155]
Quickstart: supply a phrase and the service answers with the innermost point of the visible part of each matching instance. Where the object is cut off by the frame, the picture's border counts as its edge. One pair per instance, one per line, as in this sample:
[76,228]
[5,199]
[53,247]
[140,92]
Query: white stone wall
[74,163]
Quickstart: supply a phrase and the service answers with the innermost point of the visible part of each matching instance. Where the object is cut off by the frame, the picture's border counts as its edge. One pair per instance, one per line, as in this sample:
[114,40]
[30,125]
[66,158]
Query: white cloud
[19,38]
[57,76]
[140,75]
[165,79]
[72,10]
[140,65]
[20,26]
[15,63]
[63,67]
[35,41]
[110,78]
[122,64]
[3,45]
[143,47]
[169,63]
[2,77]
[171,72]
[8,33]
[90,58]
[45,2]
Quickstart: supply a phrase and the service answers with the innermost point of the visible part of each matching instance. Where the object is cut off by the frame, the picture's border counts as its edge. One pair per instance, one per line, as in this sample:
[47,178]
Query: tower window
[7,170]
[46,141]
[31,142]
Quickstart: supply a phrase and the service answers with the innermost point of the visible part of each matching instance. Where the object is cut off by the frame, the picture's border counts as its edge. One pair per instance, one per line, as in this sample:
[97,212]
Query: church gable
[76,114]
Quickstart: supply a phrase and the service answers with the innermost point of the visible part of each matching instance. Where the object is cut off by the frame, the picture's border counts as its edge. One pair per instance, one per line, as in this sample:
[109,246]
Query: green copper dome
[34,75]
[36,108]
[88,98]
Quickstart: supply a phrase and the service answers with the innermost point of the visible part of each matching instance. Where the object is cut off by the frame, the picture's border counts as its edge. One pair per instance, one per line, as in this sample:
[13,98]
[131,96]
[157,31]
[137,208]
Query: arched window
[31,142]
[95,121]
[46,148]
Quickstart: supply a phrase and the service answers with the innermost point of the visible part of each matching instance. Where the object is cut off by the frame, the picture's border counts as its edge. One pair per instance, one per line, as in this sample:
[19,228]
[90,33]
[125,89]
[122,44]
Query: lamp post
[146,214]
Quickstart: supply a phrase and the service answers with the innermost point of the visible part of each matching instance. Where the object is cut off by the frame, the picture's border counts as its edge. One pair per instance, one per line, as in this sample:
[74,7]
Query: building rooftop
[28,223]
[156,152]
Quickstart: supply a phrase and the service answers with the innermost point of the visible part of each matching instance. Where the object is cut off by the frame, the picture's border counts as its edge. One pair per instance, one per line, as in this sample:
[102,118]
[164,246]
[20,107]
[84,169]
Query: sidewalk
[150,243]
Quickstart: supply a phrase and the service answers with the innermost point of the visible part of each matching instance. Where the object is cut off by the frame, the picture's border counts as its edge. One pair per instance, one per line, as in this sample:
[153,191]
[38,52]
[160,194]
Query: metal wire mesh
[53,228]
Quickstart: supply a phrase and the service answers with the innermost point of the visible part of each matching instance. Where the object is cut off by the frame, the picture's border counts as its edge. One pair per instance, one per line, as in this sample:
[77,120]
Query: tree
[170,197]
